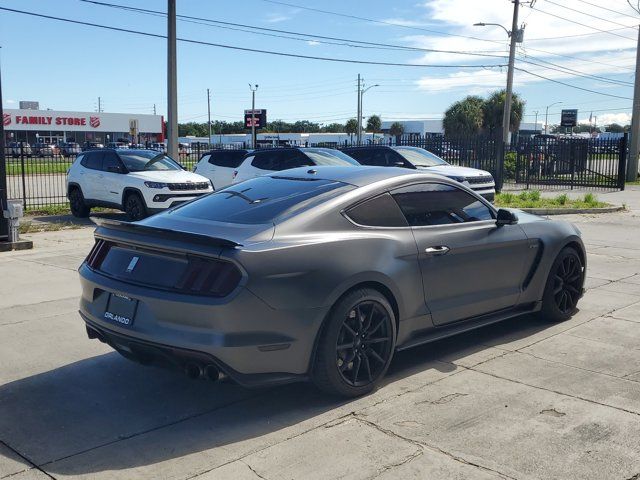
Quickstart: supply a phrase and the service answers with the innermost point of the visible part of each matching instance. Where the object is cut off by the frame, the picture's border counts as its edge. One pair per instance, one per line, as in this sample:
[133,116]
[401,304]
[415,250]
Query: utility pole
[209,114]
[634,135]
[172,82]
[99,105]
[154,108]
[506,114]
[359,117]
[253,114]
[535,127]
[4,223]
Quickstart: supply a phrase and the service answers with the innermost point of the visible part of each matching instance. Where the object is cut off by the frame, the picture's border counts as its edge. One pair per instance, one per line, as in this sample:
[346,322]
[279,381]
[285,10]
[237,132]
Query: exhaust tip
[212,373]
[193,370]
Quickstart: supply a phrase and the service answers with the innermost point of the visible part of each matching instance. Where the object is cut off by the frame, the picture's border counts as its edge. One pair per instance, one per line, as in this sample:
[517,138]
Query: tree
[374,124]
[333,128]
[493,112]
[464,117]
[351,127]
[615,128]
[396,129]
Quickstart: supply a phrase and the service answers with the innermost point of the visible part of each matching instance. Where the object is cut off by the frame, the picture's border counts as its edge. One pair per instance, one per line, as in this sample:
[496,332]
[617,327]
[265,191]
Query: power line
[319,38]
[576,72]
[382,22]
[604,8]
[579,23]
[579,34]
[246,49]
[569,85]
[578,58]
[587,14]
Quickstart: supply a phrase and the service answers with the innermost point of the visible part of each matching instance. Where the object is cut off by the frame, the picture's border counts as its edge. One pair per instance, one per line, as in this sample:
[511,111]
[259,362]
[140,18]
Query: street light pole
[4,223]
[172,82]
[546,116]
[253,114]
[506,114]
[209,114]
[359,114]
[362,92]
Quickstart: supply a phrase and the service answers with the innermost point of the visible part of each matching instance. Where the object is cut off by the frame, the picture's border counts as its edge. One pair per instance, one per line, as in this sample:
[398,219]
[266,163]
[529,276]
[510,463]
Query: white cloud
[276,18]
[11,102]
[620,118]
[313,43]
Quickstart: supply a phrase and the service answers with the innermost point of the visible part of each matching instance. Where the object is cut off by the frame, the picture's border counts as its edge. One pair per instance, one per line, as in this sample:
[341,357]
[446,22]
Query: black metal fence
[37,174]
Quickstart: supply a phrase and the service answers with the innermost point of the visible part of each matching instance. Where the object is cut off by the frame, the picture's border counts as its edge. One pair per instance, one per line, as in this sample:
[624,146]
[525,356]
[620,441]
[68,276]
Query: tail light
[207,277]
[98,254]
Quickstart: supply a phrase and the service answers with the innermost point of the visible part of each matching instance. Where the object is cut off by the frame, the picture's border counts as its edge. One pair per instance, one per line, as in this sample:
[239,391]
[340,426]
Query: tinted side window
[110,159]
[360,154]
[380,211]
[439,204]
[93,160]
[291,159]
[377,157]
[230,159]
[263,160]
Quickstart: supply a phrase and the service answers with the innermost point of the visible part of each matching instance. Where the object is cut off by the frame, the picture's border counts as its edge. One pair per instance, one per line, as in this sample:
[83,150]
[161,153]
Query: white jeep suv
[139,182]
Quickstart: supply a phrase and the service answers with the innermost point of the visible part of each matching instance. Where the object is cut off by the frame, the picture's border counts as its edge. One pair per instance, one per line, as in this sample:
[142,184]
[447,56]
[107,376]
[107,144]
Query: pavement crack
[444,399]
[253,470]
[391,466]
[32,464]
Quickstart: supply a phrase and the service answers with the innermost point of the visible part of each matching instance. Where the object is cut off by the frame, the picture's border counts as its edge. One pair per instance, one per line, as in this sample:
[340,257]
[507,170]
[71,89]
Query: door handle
[439,250]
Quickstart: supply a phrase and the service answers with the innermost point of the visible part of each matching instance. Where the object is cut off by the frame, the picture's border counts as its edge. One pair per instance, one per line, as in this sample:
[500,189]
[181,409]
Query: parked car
[42,150]
[15,149]
[479,181]
[184,149]
[219,166]
[119,145]
[70,149]
[139,182]
[260,162]
[158,147]
[322,274]
[92,146]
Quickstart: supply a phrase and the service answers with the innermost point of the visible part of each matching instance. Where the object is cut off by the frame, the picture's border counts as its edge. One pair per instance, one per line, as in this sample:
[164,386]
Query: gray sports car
[322,274]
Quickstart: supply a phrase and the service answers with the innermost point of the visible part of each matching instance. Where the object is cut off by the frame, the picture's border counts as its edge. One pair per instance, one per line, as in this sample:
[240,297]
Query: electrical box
[14,209]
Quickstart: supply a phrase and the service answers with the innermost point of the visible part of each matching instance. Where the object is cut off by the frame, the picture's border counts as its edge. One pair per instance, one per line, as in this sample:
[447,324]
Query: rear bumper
[250,341]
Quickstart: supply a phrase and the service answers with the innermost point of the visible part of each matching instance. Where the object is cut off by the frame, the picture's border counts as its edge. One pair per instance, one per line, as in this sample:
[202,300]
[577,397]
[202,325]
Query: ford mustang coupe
[321,273]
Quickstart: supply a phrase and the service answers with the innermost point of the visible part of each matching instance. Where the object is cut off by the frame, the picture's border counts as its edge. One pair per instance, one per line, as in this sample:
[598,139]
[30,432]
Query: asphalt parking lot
[523,399]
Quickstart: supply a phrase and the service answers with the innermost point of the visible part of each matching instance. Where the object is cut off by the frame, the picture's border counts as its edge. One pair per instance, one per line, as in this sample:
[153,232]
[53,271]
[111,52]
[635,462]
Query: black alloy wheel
[76,202]
[134,207]
[364,341]
[564,286]
[356,344]
[567,283]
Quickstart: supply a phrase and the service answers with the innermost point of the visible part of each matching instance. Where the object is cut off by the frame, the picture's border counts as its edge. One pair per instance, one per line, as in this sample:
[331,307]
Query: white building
[53,126]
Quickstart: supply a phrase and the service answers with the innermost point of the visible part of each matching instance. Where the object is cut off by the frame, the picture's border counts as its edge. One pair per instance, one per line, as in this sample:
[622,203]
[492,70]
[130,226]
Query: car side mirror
[398,163]
[114,169]
[506,217]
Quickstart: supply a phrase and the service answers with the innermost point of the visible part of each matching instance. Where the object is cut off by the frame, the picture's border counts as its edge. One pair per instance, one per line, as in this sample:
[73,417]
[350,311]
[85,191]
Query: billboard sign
[257,116]
[569,118]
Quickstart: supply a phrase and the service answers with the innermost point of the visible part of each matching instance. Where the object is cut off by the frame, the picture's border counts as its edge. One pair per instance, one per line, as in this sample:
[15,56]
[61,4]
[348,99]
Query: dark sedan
[322,273]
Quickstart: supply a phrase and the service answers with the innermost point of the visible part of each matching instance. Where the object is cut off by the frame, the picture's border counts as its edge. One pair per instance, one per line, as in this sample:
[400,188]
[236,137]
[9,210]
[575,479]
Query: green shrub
[534,195]
[562,199]
[590,199]
[507,197]
[510,165]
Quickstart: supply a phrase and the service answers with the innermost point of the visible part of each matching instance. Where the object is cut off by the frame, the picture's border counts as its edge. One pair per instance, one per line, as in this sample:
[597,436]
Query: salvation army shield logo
[6,119]
[94,122]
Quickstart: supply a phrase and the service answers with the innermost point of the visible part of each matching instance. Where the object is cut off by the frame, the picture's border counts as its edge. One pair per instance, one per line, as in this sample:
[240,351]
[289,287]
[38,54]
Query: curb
[569,211]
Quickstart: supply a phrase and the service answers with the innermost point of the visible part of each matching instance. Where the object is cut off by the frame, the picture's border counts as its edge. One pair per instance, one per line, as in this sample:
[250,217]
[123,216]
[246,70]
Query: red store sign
[44,120]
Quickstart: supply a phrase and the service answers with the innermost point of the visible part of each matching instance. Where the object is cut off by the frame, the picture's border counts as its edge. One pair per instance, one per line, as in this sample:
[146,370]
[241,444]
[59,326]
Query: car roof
[359,176]
[362,147]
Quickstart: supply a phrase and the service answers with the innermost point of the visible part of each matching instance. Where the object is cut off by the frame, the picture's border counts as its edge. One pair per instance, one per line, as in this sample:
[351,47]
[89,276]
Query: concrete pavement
[522,399]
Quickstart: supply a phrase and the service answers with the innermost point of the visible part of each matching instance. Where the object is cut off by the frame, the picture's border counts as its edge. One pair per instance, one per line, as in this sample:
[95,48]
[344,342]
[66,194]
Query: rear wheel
[357,344]
[76,201]
[134,207]
[564,286]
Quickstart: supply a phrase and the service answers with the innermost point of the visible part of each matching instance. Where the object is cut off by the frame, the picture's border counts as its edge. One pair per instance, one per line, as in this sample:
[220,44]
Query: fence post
[502,150]
[622,160]
[23,175]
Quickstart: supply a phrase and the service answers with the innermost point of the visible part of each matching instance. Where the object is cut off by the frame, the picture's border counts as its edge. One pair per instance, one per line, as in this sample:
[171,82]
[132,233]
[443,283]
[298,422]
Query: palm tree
[494,108]
[351,127]
[464,117]
[396,129]
[374,124]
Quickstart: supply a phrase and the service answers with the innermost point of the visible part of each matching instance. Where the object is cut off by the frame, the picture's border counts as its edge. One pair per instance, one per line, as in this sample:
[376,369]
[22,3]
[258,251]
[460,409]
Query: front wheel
[564,286]
[356,344]
[78,206]
[134,207]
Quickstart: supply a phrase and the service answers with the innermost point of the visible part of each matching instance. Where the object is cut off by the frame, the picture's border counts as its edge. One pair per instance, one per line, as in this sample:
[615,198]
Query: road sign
[259,118]
[569,118]
[133,127]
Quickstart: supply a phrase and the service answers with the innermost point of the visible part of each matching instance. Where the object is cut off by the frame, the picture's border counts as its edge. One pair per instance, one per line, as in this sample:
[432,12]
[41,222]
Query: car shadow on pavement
[105,413]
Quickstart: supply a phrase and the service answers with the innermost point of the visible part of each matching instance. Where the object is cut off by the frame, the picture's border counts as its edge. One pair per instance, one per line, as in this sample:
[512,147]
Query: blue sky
[66,67]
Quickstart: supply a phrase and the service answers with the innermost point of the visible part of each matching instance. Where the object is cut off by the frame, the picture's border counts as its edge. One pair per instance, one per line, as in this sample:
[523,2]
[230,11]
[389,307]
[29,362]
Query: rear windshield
[322,156]
[262,199]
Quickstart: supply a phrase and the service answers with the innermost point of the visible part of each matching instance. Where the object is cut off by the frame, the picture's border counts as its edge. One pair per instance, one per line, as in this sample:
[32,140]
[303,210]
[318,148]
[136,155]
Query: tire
[564,287]
[134,207]
[347,363]
[78,206]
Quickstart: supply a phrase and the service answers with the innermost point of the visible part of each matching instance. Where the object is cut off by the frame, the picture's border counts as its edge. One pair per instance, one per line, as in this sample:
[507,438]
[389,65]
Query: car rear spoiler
[164,233]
